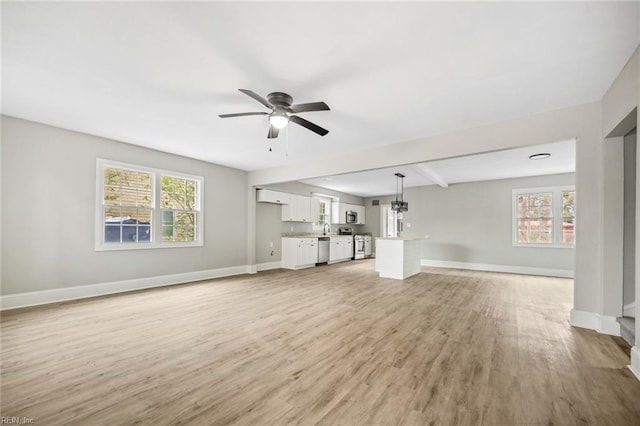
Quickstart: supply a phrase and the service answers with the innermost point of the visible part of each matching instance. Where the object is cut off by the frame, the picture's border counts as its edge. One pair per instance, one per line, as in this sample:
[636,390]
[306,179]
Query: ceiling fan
[281,112]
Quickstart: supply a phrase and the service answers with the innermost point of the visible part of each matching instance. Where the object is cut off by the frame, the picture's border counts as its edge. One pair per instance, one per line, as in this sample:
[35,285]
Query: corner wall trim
[528,270]
[635,362]
[601,323]
[630,310]
[22,300]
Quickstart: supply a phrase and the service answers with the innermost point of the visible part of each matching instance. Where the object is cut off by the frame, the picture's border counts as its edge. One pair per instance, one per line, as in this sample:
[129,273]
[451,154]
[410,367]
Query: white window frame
[556,192]
[327,201]
[156,208]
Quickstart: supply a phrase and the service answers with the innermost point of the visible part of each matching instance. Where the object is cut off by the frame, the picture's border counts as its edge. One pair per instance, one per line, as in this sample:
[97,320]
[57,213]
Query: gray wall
[48,199]
[629,257]
[270,227]
[471,222]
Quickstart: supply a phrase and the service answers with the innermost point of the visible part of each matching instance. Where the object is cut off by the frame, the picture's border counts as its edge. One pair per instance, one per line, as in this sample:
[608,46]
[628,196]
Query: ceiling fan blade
[257,97]
[273,132]
[240,114]
[313,106]
[309,125]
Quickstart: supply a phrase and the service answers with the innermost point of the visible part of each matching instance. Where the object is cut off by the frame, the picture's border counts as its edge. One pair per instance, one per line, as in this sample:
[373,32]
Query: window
[179,213]
[544,217]
[131,200]
[324,214]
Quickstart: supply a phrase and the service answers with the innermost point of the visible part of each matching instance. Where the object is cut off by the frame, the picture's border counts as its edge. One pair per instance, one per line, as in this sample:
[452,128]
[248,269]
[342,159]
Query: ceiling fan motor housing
[279,99]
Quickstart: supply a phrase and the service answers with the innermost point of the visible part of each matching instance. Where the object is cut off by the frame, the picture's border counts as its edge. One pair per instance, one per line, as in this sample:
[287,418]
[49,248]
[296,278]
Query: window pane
[112,214]
[568,231]
[535,205]
[112,195]
[179,201]
[112,176]
[535,231]
[569,204]
[112,233]
[167,217]
[129,234]
[144,215]
[144,198]
[167,233]
[185,233]
[183,219]
[144,181]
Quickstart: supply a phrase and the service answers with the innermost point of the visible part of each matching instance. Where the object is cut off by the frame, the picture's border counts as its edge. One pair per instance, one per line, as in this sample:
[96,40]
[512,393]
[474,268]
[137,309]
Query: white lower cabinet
[340,248]
[299,252]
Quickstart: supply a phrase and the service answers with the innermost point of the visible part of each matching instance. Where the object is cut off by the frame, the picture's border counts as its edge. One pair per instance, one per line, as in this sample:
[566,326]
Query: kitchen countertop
[314,236]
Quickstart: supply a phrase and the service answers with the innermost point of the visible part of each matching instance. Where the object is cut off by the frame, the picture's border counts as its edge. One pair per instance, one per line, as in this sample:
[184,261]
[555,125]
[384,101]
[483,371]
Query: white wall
[48,197]
[619,116]
[613,226]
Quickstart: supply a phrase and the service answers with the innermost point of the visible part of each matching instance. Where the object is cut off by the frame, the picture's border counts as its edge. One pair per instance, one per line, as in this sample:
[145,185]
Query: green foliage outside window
[179,213]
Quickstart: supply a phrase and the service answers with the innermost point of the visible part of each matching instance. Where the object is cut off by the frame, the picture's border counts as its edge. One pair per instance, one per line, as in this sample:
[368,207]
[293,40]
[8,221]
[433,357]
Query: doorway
[390,222]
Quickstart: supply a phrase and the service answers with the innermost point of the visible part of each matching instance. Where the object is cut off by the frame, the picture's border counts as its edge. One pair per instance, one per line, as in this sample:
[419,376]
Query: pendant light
[399,205]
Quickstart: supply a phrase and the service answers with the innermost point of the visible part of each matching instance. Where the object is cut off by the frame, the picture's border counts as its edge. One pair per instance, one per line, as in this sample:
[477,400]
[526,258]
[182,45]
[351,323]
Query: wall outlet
[408,225]
[271,245]
[426,235]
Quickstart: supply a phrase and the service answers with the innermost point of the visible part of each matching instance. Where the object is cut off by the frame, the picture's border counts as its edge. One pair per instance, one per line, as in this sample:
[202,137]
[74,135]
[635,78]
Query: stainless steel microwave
[352,217]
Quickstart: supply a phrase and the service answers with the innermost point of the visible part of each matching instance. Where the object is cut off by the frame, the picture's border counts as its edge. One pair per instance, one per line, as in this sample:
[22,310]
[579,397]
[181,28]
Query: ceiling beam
[431,174]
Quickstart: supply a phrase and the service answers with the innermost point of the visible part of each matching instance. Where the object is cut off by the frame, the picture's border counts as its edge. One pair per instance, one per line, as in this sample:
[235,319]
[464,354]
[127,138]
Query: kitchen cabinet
[339,213]
[340,248]
[298,209]
[269,196]
[360,211]
[299,252]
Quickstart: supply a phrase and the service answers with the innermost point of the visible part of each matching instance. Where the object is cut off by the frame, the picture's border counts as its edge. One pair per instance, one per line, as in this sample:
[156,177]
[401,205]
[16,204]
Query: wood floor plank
[333,345]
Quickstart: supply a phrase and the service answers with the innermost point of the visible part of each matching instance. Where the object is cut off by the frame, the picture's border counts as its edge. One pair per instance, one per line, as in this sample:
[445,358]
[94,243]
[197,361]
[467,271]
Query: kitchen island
[398,258]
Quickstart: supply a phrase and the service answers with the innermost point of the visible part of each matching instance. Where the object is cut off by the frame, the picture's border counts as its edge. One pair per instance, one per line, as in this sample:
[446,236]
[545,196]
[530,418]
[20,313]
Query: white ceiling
[157,74]
[488,166]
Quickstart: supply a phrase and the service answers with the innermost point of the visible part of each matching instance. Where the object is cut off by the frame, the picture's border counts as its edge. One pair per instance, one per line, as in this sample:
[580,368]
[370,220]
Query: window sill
[540,245]
[139,246]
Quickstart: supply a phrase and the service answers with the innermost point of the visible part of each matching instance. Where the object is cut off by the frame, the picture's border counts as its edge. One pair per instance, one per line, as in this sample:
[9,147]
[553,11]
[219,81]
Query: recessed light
[540,156]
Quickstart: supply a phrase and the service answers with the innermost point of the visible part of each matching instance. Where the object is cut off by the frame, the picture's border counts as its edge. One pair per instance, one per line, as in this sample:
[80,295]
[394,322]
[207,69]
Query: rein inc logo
[16,421]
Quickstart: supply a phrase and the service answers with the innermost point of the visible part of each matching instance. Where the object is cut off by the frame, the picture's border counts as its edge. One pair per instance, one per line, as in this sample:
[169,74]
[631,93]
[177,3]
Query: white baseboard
[609,325]
[635,361]
[527,270]
[601,323]
[21,300]
[630,310]
[268,265]
[584,319]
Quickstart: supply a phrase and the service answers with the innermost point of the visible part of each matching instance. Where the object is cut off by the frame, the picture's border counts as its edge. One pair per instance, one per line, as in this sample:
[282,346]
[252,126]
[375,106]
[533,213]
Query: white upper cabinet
[269,196]
[298,209]
[339,213]
[361,216]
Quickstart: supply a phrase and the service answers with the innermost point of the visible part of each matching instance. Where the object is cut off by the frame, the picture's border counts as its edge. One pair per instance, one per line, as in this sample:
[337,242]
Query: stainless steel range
[361,246]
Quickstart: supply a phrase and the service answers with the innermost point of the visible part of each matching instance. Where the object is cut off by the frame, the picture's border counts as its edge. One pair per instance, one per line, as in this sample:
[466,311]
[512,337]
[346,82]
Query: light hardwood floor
[334,345]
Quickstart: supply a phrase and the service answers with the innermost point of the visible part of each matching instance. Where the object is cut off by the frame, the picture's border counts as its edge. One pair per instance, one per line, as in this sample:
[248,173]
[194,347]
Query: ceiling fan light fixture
[278,120]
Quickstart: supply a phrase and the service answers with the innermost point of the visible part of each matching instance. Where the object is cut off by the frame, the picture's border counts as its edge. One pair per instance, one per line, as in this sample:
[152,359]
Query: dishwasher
[323,249]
